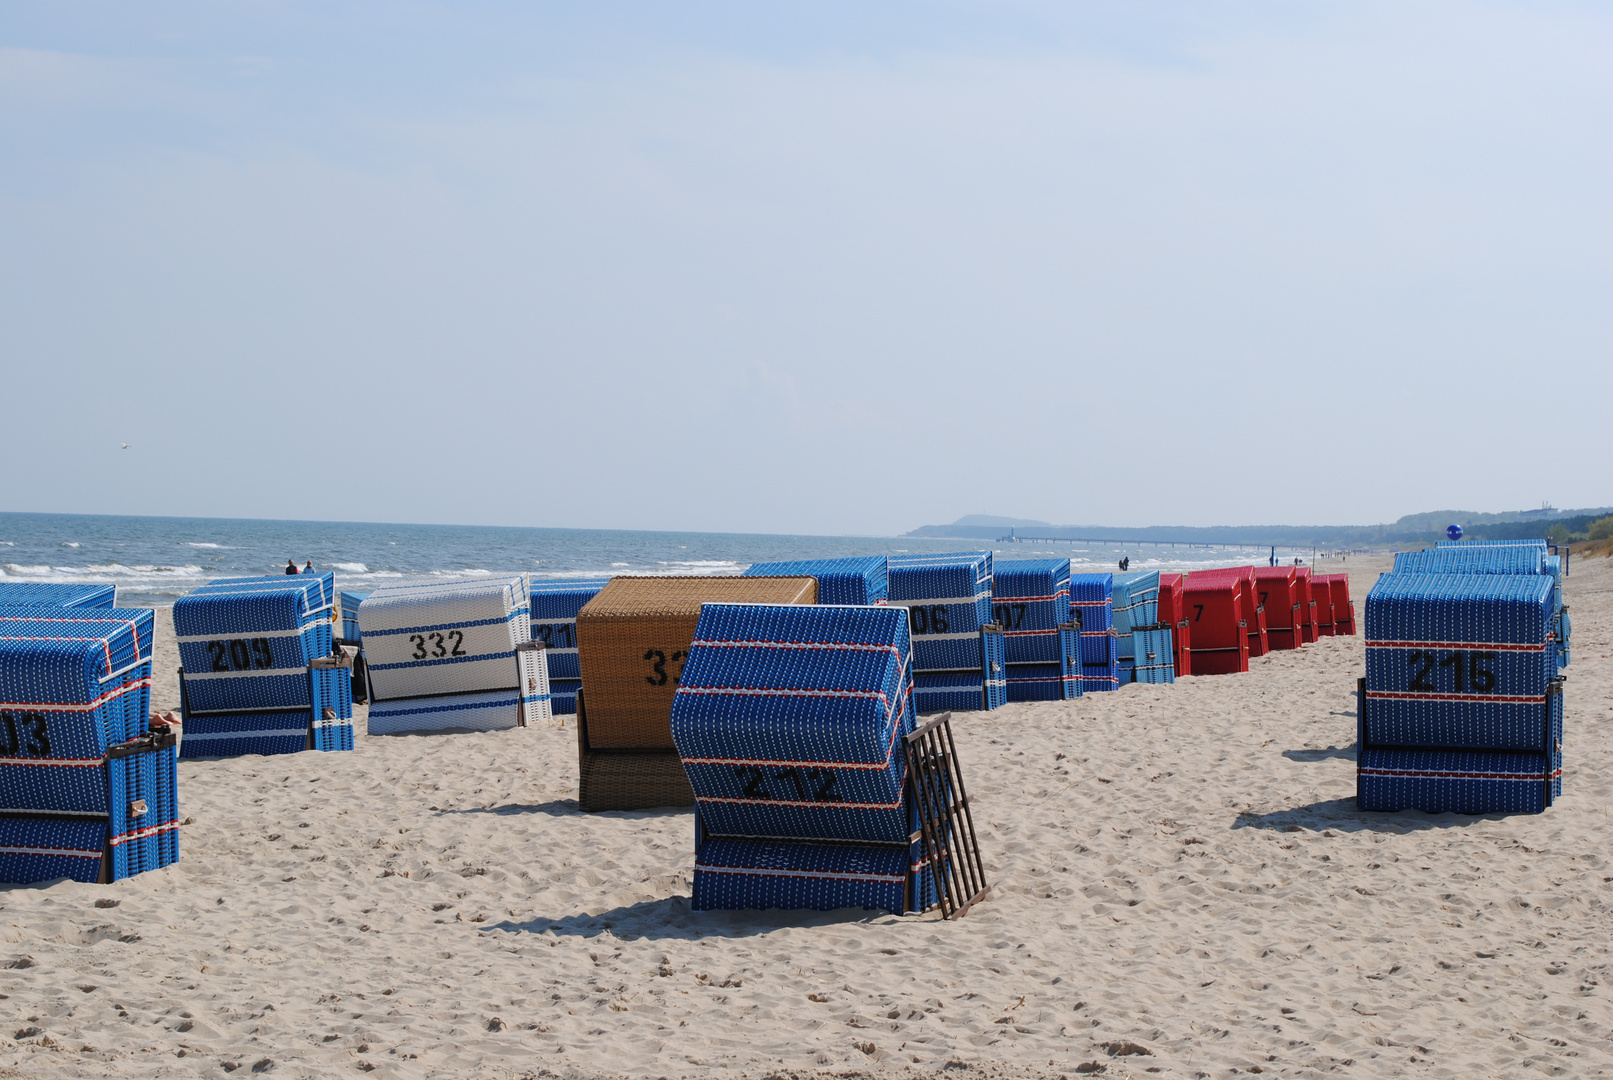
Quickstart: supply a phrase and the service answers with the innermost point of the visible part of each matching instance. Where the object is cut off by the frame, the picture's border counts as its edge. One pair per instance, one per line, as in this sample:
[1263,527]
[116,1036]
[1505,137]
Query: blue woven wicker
[247,642]
[788,719]
[1100,660]
[966,689]
[948,598]
[1457,781]
[333,722]
[1092,598]
[1155,655]
[84,792]
[563,696]
[49,594]
[1058,681]
[840,581]
[452,636]
[1474,560]
[1459,660]
[1135,602]
[1030,600]
[555,603]
[738,874]
[350,628]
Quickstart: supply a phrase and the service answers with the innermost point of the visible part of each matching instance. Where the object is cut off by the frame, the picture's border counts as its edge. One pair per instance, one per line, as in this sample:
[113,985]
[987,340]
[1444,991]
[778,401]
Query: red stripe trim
[1440,774]
[799,802]
[140,834]
[62,706]
[1033,599]
[1487,646]
[1503,699]
[68,763]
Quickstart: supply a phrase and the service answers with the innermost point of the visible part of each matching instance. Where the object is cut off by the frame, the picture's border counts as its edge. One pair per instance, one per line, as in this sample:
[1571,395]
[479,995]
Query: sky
[820,267]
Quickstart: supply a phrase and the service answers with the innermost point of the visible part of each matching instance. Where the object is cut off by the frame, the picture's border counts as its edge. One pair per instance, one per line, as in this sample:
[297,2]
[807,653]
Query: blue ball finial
[1453,531]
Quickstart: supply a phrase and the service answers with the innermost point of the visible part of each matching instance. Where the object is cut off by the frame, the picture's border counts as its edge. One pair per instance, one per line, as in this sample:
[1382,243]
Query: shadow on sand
[672,917]
[1342,816]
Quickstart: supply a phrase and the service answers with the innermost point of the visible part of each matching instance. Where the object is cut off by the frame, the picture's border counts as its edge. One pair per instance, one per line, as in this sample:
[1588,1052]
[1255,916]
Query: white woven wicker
[444,637]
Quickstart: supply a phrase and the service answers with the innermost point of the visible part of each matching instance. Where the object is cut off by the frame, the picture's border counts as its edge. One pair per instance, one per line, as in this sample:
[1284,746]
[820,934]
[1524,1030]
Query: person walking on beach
[291,566]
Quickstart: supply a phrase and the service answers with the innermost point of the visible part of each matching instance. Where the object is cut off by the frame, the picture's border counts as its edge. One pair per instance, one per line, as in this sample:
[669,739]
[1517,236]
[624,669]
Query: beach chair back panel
[744,874]
[555,604]
[247,642]
[948,597]
[633,641]
[1459,660]
[789,719]
[1214,614]
[1135,601]
[1030,601]
[1155,659]
[444,637]
[350,603]
[1276,588]
[73,682]
[56,594]
[840,581]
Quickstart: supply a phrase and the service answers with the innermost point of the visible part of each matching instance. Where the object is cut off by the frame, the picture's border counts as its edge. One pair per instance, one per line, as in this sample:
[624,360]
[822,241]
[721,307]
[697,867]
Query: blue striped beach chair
[840,581]
[959,654]
[790,722]
[53,594]
[453,655]
[1461,707]
[555,603]
[259,670]
[1092,605]
[86,791]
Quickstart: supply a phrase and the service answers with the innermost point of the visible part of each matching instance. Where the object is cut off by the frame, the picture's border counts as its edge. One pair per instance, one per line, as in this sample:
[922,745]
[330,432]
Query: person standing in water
[291,566]
[309,568]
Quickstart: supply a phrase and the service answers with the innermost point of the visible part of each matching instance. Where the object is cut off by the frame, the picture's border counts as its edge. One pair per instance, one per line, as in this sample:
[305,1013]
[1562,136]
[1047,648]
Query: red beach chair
[1343,609]
[1254,618]
[1307,604]
[1322,612]
[1215,606]
[1171,614]
[1277,589]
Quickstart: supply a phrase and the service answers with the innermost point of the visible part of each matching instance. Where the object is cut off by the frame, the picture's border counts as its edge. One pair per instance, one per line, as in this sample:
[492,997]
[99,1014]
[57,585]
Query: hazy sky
[805,267]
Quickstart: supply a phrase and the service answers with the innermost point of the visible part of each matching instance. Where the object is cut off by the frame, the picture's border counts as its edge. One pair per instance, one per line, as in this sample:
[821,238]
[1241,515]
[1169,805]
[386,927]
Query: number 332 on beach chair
[814,786]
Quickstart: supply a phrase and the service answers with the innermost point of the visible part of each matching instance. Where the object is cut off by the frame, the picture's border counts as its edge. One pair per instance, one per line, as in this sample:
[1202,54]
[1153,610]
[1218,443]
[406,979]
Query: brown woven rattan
[627,779]
[632,640]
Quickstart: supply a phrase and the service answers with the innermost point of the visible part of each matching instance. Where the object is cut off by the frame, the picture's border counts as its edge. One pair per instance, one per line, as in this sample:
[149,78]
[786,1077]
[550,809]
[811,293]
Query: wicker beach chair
[259,670]
[793,725]
[633,639]
[959,653]
[1277,588]
[1092,600]
[53,594]
[840,581]
[1215,608]
[86,791]
[1461,706]
[453,655]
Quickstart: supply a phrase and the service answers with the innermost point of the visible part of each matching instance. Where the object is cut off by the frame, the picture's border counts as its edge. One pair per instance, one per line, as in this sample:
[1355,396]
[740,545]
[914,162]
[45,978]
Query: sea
[155,560]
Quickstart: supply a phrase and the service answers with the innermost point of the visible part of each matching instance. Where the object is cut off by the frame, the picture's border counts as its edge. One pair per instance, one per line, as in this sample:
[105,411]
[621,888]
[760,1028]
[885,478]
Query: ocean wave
[69,543]
[462,573]
[205,544]
[25,571]
[702,563]
[350,567]
[615,565]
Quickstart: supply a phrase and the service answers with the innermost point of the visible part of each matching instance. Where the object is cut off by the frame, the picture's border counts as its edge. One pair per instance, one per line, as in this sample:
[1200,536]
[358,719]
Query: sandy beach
[1183,888]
